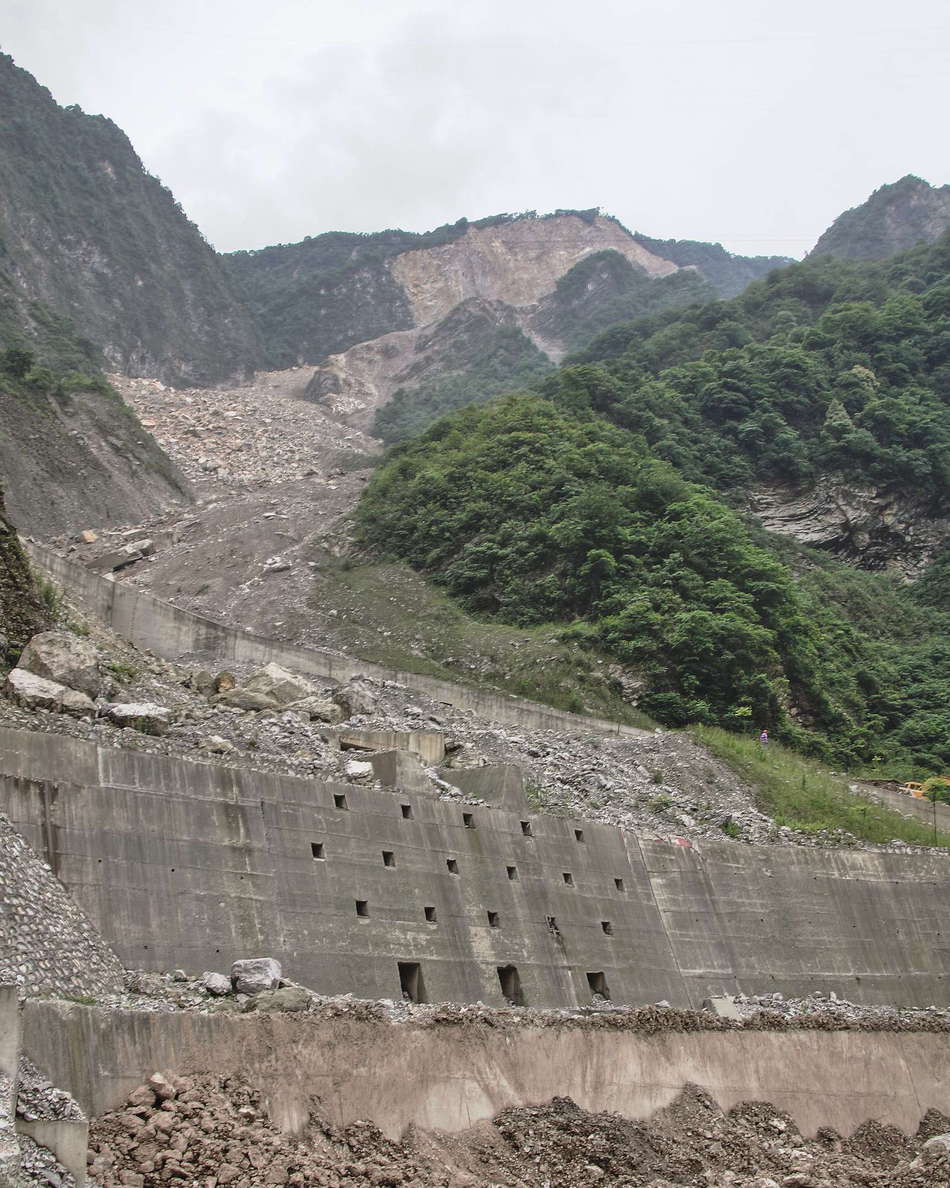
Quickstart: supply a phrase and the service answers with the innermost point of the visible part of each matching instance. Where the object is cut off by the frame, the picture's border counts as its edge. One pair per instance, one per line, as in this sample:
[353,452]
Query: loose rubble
[271,719]
[215,1131]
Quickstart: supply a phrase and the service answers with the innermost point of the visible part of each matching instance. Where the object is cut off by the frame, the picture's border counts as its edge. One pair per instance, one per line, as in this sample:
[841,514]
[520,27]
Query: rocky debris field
[264,431]
[215,1132]
[37,1098]
[213,992]
[94,686]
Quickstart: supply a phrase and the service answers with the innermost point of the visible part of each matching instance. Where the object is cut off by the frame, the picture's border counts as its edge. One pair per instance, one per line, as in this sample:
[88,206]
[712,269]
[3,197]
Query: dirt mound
[215,1132]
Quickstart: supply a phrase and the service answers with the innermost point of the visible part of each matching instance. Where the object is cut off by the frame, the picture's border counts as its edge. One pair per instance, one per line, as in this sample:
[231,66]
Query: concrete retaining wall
[190,865]
[463,1074]
[172,633]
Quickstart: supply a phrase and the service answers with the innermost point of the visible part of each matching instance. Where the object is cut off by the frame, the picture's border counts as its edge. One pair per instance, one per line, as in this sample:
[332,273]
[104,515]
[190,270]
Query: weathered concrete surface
[194,865]
[464,1074]
[9,1047]
[67,1138]
[173,633]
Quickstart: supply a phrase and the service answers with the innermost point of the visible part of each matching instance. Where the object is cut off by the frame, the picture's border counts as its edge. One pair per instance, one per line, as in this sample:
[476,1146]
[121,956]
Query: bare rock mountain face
[894,219]
[895,530]
[86,232]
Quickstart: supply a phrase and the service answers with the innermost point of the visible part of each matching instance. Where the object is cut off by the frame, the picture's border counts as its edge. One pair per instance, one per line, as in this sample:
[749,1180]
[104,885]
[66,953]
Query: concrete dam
[385,892]
[392,891]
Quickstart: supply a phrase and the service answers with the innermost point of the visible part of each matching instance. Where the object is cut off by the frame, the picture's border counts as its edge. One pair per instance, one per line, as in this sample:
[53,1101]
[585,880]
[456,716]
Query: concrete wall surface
[192,865]
[173,633]
[464,1074]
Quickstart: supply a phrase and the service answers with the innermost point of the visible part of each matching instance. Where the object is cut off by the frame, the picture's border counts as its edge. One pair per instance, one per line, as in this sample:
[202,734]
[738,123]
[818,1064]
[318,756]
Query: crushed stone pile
[215,1132]
[263,431]
[38,1098]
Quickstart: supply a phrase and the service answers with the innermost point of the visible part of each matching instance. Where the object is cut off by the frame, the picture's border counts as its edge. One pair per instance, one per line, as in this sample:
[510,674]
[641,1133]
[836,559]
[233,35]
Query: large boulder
[283,685]
[64,658]
[35,692]
[286,998]
[254,974]
[246,699]
[355,698]
[319,709]
[144,716]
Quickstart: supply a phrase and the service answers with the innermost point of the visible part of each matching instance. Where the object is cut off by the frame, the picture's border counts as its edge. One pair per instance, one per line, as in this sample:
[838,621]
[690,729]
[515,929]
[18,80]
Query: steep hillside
[579,506]
[22,610]
[728,274]
[73,455]
[895,218]
[86,231]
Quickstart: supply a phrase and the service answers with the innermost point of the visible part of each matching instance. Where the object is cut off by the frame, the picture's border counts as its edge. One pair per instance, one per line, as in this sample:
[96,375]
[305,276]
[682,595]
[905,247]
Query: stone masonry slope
[47,943]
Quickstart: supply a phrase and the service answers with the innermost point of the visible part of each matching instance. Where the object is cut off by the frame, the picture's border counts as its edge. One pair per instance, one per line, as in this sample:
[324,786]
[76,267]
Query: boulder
[254,974]
[355,699]
[358,769]
[286,998]
[939,1144]
[281,684]
[319,709]
[163,1089]
[203,682]
[216,983]
[246,699]
[144,716]
[216,745]
[36,692]
[64,658]
[224,681]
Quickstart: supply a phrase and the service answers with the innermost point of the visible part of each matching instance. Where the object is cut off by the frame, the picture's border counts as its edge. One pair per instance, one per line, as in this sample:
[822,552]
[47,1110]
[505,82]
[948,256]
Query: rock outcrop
[895,218]
[87,231]
[869,528]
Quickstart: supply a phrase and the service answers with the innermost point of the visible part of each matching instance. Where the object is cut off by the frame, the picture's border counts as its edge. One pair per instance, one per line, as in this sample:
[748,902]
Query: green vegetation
[391,615]
[798,792]
[599,503]
[829,366]
[505,359]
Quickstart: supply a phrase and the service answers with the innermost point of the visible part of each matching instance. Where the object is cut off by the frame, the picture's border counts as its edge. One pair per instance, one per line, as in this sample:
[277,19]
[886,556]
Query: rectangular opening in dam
[362,907]
[618,883]
[579,835]
[316,851]
[430,914]
[468,820]
[607,927]
[526,828]
[389,858]
[494,920]
[511,984]
[339,801]
[406,810]
[512,872]
[411,982]
[598,985]
[568,878]
[451,865]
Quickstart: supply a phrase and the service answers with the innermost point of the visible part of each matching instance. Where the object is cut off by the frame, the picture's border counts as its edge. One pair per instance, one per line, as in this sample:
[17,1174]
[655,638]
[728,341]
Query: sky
[748,122]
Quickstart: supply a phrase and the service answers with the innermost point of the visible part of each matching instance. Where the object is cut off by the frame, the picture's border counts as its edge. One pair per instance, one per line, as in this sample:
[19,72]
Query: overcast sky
[750,122]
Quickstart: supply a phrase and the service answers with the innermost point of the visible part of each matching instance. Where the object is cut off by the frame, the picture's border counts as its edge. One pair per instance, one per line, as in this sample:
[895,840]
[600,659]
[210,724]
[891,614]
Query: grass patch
[801,794]
[387,613]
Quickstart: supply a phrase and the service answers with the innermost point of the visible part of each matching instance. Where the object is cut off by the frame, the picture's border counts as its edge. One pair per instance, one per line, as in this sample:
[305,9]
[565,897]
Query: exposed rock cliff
[22,612]
[873,529]
[79,458]
[895,218]
[85,230]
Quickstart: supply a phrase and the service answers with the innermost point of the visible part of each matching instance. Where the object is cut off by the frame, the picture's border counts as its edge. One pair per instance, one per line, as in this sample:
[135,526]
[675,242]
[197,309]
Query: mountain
[727,273]
[87,233]
[895,218]
[626,498]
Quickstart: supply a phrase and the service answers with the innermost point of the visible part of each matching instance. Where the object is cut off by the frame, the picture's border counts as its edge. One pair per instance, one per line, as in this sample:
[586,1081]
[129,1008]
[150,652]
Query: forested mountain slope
[894,219]
[88,233]
[600,502]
